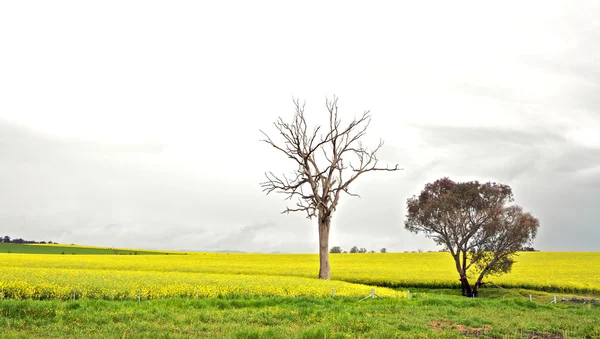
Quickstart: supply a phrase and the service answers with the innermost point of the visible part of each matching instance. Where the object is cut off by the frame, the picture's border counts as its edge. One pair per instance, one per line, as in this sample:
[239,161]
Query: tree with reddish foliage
[475,223]
[326,164]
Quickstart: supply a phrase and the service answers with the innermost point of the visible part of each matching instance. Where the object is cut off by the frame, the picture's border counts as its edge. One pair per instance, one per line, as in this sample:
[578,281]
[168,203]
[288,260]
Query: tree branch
[324,175]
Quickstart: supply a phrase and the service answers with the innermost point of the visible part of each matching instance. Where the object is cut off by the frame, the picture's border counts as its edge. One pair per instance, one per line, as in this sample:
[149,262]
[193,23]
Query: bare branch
[327,163]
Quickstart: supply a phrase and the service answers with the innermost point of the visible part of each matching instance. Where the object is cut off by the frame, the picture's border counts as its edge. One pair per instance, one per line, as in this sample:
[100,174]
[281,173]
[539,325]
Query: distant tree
[475,224]
[529,249]
[345,252]
[362,250]
[383,250]
[335,249]
[354,249]
[372,251]
[6,238]
[18,241]
[328,159]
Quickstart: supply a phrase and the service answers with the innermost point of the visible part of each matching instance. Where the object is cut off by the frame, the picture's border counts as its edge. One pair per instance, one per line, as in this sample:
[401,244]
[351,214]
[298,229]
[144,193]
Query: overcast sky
[136,123]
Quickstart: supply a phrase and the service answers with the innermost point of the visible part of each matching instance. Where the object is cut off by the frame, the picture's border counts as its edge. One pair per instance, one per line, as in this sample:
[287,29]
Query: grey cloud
[494,91]
[551,176]
[487,136]
[243,238]
[75,191]
[509,153]
[578,65]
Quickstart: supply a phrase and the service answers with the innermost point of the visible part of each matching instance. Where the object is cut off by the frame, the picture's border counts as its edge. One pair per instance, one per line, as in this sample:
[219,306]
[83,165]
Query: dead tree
[327,161]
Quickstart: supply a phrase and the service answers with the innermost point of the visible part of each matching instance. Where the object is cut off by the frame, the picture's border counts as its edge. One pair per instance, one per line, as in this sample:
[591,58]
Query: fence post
[373,293]
[554,301]
[530,299]
[408,294]
[73,294]
[333,292]
[139,295]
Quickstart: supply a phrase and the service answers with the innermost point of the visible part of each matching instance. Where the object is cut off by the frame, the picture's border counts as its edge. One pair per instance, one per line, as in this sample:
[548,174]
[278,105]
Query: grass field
[70,249]
[424,316]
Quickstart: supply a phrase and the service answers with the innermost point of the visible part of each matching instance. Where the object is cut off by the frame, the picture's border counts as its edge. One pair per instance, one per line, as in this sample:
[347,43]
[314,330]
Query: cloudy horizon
[136,123]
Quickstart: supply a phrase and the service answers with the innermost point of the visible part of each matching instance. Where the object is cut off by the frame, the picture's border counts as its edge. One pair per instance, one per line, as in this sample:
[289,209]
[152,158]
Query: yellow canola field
[572,272]
[124,275]
[22,282]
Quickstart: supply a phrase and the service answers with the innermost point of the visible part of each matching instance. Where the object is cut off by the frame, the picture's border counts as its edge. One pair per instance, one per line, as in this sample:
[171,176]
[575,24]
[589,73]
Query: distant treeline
[7,239]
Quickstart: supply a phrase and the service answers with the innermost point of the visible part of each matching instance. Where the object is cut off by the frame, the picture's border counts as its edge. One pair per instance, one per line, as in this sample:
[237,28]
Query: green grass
[427,315]
[57,249]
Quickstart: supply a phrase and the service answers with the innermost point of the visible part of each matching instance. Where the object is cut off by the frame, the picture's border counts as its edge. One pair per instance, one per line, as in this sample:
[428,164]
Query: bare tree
[475,224]
[326,164]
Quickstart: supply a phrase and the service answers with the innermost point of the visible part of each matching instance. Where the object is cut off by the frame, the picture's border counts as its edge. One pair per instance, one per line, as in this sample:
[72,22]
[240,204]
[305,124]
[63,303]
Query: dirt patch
[581,300]
[474,331]
[440,326]
[537,335]
[483,332]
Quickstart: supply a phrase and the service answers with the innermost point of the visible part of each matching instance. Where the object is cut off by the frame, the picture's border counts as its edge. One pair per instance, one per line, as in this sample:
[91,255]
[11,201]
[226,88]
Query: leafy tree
[326,165]
[362,250]
[335,249]
[383,250]
[475,223]
[354,249]
[6,238]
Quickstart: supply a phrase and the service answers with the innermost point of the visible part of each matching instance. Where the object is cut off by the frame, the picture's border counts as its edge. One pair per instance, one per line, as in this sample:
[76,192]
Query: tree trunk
[461,269]
[324,267]
[466,288]
[479,282]
[476,289]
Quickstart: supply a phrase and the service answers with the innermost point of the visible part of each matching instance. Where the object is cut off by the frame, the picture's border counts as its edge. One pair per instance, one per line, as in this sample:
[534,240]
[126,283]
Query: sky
[136,123]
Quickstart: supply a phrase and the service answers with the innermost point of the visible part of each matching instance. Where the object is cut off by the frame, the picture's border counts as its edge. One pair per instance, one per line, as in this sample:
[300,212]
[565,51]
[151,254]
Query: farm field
[277,296]
[68,249]
[213,274]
